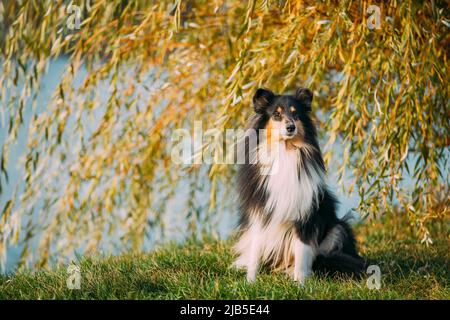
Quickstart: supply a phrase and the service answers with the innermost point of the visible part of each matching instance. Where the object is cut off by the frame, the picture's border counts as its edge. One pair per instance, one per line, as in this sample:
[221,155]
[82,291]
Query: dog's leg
[303,260]
[253,260]
[249,249]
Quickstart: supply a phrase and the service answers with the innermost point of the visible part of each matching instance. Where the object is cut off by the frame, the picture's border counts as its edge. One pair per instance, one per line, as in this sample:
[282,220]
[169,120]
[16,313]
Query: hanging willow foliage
[98,156]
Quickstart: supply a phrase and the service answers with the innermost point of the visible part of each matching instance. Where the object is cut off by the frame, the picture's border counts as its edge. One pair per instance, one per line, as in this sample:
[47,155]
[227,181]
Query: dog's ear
[305,96]
[262,99]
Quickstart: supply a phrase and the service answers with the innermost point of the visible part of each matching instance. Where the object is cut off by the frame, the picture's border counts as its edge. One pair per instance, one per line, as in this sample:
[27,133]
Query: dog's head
[285,115]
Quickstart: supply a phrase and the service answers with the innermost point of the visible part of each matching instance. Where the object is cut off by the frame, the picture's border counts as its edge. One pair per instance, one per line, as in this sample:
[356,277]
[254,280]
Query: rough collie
[288,216]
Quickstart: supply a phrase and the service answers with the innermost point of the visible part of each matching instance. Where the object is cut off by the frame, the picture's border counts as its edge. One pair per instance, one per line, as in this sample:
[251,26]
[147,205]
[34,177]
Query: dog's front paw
[251,276]
[301,276]
[238,264]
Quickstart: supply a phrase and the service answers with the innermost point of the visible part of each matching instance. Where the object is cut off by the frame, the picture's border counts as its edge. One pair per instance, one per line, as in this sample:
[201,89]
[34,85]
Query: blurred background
[92,91]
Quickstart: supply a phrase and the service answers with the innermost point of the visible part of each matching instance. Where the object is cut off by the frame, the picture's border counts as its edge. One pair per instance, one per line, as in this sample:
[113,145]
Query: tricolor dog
[288,217]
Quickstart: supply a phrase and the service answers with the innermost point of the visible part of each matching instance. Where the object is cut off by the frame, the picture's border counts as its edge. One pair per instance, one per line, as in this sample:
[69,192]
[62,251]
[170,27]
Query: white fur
[304,258]
[263,243]
[291,191]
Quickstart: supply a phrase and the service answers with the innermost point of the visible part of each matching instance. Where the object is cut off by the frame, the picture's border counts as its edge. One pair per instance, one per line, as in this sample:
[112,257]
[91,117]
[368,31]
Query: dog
[288,219]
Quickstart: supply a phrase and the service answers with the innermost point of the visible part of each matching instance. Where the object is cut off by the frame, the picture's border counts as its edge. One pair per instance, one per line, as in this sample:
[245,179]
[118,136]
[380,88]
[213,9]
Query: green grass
[201,270]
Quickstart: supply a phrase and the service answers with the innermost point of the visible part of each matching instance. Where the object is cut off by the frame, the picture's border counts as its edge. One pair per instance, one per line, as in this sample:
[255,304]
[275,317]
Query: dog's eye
[293,112]
[277,115]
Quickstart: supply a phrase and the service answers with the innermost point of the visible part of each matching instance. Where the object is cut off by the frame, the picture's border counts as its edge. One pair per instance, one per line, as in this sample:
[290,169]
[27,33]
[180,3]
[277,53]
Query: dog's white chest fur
[291,188]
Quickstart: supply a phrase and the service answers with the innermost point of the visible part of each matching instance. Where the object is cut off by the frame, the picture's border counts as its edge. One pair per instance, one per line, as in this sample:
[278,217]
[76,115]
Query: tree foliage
[383,95]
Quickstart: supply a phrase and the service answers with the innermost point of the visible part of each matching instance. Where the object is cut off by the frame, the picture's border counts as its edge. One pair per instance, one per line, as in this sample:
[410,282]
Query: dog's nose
[290,127]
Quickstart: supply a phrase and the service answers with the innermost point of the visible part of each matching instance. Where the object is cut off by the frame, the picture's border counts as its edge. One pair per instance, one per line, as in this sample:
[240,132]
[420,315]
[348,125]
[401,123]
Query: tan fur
[273,130]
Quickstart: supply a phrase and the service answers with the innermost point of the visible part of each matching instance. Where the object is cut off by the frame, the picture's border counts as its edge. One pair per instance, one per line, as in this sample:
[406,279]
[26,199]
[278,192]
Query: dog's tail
[337,252]
[339,263]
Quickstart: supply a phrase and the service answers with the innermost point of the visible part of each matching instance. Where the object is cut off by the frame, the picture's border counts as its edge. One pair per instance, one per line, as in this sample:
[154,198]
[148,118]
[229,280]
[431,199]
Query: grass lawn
[201,270]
